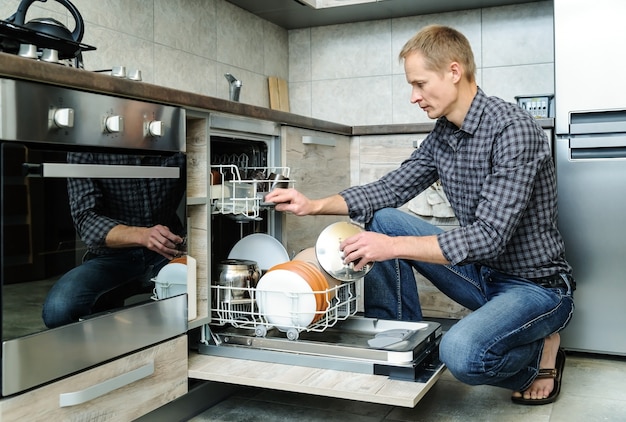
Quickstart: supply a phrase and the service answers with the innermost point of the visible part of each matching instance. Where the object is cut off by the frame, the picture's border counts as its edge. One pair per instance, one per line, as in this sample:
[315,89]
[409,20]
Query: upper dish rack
[244,313]
[240,191]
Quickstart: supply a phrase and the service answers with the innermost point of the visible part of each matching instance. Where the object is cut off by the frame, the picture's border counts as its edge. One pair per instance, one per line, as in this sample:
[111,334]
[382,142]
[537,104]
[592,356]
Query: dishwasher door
[591,179]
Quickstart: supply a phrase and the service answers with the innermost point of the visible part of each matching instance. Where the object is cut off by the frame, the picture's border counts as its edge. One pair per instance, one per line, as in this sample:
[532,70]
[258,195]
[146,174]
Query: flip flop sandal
[556,373]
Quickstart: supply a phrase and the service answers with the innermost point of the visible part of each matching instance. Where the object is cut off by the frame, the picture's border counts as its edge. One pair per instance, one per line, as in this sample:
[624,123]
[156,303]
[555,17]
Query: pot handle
[20,15]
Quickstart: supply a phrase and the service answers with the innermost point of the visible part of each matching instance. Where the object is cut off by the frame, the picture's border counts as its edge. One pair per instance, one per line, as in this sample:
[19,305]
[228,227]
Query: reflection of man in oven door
[131,228]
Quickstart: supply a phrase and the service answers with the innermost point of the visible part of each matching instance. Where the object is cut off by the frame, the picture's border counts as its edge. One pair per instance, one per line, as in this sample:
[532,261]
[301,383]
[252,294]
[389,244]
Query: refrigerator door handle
[597,148]
[598,142]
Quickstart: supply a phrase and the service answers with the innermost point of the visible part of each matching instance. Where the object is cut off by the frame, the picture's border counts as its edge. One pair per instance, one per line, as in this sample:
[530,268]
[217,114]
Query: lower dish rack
[239,307]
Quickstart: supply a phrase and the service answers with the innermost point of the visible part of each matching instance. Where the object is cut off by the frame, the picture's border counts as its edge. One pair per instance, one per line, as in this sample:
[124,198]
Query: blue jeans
[501,341]
[100,283]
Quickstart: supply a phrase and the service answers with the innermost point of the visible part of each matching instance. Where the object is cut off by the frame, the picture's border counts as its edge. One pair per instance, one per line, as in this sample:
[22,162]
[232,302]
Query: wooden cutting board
[279,93]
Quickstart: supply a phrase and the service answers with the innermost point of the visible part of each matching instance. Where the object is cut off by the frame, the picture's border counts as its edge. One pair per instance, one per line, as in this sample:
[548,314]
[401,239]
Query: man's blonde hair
[441,45]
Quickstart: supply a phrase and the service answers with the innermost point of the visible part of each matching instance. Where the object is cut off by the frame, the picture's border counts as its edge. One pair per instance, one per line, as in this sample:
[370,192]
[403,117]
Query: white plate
[286,300]
[171,280]
[262,248]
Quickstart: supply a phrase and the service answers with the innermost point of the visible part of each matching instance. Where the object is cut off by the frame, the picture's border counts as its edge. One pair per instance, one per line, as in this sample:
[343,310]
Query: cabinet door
[320,166]
[121,390]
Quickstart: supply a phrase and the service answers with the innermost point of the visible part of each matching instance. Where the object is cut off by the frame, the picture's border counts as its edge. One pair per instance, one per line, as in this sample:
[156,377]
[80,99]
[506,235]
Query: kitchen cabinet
[320,163]
[198,208]
[121,390]
[372,157]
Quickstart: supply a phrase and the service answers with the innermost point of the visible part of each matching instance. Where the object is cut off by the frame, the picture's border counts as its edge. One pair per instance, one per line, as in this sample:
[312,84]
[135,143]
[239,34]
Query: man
[131,229]
[506,260]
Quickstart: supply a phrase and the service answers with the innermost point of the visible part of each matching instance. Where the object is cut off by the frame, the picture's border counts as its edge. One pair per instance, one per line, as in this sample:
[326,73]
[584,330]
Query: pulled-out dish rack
[238,307]
[240,191]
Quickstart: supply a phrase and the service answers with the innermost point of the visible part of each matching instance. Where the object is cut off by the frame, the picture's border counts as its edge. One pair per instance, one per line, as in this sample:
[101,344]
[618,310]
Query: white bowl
[286,300]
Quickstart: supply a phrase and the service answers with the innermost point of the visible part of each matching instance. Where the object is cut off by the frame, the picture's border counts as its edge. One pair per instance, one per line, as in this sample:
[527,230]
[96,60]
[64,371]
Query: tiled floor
[594,389]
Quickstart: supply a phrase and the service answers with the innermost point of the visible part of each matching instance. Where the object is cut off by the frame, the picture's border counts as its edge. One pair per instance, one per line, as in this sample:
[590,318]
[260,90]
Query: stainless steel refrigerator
[590,153]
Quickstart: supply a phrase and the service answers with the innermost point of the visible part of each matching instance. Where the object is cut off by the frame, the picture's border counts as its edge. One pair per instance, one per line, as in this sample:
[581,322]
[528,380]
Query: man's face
[433,91]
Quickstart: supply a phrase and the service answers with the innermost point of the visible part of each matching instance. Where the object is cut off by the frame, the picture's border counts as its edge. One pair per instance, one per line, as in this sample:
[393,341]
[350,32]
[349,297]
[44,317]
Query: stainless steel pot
[237,276]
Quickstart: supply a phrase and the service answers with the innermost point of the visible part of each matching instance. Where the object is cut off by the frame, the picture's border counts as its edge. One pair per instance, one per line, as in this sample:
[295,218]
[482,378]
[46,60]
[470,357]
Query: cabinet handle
[319,140]
[108,171]
[82,396]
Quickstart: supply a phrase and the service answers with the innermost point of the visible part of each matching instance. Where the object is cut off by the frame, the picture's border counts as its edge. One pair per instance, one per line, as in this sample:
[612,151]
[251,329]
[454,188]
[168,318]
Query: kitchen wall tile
[240,40]
[196,75]
[508,81]
[351,50]
[137,53]
[467,22]
[302,92]
[300,55]
[127,17]
[353,101]
[7,8]
[187,25]
[276,51]
[519,34]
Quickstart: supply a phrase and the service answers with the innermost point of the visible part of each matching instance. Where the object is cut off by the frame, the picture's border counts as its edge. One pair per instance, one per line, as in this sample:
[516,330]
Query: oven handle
[102,171]
[82,396]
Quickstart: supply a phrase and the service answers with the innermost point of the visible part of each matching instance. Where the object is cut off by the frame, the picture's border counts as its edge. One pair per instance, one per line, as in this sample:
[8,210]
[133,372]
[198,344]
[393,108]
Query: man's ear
[456,70]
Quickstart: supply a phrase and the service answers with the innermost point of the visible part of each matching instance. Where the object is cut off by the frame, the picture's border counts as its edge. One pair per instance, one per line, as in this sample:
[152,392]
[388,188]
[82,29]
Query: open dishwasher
[243,340]
[331,335]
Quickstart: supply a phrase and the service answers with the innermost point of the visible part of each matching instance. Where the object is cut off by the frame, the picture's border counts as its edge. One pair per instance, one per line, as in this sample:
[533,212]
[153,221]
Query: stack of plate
[293,294]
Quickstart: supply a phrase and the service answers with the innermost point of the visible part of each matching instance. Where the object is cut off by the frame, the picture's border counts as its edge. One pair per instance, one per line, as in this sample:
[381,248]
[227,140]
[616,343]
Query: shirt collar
[473,116]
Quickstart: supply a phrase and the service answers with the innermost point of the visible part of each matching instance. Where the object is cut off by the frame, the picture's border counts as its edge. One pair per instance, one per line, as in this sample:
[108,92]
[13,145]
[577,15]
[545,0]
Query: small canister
[237,277]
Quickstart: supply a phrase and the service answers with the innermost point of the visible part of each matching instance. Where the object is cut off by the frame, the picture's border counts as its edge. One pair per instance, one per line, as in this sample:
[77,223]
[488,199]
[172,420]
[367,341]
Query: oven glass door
[39,242]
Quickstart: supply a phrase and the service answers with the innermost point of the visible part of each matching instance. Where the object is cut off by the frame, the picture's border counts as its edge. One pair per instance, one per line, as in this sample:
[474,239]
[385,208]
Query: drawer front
[121,390]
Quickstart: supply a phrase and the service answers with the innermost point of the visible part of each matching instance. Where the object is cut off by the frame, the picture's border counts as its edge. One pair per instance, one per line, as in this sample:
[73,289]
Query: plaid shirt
[498,174]
[98,205]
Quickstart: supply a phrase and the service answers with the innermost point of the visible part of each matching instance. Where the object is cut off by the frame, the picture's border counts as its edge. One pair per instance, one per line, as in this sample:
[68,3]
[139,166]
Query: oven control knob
[64,117]
[155,128]
[114,124]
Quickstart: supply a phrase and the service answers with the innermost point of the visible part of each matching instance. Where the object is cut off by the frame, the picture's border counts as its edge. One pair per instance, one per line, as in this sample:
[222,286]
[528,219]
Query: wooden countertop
[16,67]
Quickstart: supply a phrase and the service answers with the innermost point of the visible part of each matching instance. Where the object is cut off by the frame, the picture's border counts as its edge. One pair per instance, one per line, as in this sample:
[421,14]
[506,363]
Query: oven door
[38,245]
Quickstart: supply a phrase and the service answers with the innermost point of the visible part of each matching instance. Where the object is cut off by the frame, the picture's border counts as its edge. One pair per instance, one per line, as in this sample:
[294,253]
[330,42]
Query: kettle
[50,26]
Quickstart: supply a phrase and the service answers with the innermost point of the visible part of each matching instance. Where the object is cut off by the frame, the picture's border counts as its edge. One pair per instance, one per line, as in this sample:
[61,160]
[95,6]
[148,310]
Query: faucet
[234,88]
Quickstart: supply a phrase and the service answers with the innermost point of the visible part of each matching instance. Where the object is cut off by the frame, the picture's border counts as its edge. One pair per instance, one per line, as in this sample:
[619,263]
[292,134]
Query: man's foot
[541,388]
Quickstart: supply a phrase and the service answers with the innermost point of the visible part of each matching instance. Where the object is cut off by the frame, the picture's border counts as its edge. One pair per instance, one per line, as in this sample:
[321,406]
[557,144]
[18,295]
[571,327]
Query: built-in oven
[40,127]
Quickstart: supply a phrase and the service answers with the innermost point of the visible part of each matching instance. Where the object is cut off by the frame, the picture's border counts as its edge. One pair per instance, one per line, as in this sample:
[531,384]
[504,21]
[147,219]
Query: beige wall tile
[193,73]
[351,50]
[187,25]
[508,81]
[518,35]
[353,101]
[240,41]
[300,55]
[134,18]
